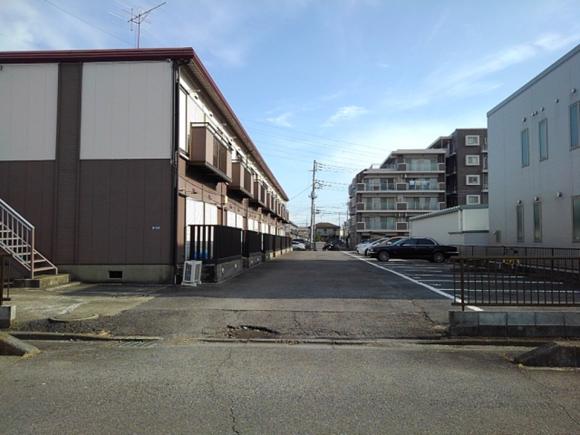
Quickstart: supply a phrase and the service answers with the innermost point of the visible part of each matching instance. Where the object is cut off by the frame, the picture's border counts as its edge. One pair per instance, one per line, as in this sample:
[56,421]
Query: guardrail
[516,280]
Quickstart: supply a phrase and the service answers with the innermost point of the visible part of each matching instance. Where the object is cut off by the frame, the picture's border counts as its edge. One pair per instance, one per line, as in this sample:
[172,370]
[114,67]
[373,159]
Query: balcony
[208,153]
[242,182]
[259,195]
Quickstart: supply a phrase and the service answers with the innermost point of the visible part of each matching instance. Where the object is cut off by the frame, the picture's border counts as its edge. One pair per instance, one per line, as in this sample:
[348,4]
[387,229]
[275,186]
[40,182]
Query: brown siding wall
[70,76]
[122,204]
[28,188]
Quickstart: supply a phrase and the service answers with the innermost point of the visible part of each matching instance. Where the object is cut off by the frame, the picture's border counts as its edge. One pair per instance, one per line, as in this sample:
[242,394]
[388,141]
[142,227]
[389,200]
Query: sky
[343,82]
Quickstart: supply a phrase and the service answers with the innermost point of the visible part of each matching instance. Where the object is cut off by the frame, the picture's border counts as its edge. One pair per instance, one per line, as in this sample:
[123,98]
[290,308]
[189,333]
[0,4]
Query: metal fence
[252,243]
[516,280]
[267,243]
[215,244]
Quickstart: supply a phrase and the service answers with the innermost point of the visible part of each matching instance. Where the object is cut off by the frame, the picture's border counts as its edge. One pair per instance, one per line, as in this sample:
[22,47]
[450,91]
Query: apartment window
[543,139]
[574,122]
[472,160]
[472,140]
[576,218]
[525,141]
[472,180]
[520,222]
[473,199]
[537,221]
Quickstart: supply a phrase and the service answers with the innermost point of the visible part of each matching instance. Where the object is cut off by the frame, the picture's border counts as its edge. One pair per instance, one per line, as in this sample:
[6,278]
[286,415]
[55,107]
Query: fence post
[462,281]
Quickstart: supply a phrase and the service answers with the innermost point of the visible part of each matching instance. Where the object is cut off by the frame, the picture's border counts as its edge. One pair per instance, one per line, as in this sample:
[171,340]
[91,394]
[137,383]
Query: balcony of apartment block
[416,168]
[208,153]
[242,184]
[402,187]
[258,198]
[399,227]
[361,207]
[410,208]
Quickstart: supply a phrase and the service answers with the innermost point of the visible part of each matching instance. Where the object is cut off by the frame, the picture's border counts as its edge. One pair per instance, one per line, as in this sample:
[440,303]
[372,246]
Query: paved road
[303,294]
[279,389]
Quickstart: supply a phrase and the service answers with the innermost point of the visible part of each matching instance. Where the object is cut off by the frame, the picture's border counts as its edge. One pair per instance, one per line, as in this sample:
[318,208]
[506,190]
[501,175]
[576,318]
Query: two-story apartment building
[466,163]
[408,183]
[534,156]
[106,156]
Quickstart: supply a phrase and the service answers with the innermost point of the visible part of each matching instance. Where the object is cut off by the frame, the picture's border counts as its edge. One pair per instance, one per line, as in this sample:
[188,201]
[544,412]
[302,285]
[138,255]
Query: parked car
[415,248]
[381,242]
[362,248]
[298,245]
[305,242]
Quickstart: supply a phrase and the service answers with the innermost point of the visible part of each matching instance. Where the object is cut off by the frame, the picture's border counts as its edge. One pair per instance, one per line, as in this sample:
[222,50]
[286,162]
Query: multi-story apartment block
[466,166]
[534,153]
[408,183]
[108,156]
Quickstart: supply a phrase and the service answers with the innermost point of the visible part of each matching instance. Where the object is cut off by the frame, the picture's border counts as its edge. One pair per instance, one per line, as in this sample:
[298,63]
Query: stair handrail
[29,238]
[3,204]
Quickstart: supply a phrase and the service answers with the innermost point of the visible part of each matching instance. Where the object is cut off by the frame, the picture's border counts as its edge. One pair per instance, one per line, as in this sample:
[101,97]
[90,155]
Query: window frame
[575,238]
[547,152]
[537,221]
[473,196]
[467,183]
[520,229]
[476,156]
[525,163]
[467,144]
[576,106]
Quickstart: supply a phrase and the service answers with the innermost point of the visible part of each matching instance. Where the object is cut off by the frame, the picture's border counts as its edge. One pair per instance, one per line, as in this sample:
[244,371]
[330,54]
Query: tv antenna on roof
[138,18]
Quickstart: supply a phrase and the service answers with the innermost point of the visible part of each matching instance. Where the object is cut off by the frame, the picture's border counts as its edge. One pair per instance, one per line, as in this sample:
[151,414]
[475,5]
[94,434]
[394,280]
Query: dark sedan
[414,248]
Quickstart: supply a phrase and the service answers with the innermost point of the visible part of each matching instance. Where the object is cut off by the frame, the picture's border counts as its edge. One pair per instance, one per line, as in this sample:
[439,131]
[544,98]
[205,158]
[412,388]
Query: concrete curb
[10,345]
[62,336]
[384,341]
[554,324]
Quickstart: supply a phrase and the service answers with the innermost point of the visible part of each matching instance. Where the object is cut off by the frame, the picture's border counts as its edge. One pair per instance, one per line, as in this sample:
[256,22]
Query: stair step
[43,269]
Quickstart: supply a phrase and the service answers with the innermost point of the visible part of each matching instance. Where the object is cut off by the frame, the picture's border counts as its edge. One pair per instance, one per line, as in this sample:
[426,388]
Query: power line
[85,21]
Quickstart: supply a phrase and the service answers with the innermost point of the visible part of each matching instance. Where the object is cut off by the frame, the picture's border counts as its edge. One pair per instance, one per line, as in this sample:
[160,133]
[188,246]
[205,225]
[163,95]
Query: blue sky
[340,81]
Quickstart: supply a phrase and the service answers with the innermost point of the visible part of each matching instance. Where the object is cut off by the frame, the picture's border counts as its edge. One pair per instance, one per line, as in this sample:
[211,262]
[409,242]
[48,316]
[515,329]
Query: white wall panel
[28,105]
[126,110]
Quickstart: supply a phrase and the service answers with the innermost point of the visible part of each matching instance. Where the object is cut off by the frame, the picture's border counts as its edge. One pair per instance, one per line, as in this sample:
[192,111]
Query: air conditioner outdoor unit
[192,273]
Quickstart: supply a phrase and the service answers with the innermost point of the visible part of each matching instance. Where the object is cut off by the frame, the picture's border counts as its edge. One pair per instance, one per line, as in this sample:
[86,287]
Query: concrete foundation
[150,273]
[43,281]
[514,324]
[7,316]
[252,261]
[221,272]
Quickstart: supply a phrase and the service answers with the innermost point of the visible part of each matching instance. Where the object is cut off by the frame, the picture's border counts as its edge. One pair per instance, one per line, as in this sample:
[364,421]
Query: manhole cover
[66,318]
[249,331]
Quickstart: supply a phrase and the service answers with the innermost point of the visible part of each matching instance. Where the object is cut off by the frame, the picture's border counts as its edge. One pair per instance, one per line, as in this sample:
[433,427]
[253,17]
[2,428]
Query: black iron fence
[516,280]
[252,243]
[267,243]
[558,258]
[214,244]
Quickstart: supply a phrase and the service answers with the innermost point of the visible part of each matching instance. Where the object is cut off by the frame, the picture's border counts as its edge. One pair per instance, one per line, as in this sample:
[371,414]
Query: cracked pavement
[302,295]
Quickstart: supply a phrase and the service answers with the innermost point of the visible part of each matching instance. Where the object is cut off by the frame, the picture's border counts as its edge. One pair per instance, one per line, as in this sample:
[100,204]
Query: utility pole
[312,208]
[137,19]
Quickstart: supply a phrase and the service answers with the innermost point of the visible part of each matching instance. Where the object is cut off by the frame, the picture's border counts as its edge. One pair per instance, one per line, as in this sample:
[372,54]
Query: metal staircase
[17,239]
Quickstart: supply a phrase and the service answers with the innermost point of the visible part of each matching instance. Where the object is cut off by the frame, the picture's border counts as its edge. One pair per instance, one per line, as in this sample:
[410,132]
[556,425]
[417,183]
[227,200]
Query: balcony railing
[241,180]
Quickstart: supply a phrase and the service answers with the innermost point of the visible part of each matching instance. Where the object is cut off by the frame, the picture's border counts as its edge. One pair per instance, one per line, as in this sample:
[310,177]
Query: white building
[459,225]
[534,160]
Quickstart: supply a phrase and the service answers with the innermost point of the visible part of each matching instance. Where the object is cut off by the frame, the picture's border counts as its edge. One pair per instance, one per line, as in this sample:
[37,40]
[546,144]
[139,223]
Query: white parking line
[427,286]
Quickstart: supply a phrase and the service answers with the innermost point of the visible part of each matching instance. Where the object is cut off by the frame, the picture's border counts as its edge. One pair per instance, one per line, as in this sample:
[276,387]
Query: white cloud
[345,113]
[476,78]
[282,120]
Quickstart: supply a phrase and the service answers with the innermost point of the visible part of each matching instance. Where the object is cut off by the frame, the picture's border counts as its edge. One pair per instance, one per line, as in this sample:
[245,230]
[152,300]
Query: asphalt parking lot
[439,278]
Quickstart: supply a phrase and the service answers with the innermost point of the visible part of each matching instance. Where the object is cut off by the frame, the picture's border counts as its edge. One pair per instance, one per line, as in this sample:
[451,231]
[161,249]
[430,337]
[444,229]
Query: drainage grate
[249,331]
[138,344]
